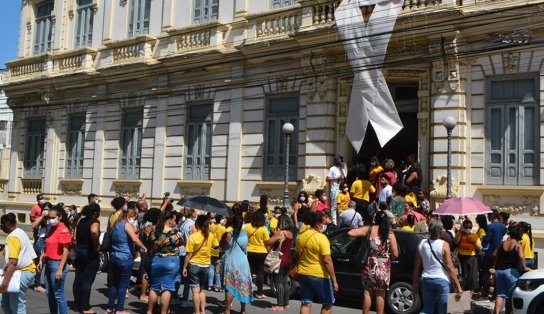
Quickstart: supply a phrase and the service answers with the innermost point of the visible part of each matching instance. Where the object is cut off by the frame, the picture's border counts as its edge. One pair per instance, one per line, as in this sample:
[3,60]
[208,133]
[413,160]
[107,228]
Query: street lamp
[287,129]
[449,123]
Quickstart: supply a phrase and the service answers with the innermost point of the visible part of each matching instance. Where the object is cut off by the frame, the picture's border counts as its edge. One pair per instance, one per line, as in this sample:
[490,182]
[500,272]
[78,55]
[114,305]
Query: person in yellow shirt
[375,169]
[360,192]
[20,256]
[199,255]
[257,234]
[315,268]
[343,198]
[468,244]
[528,244]
[214,274]
[409,196]
[410,223]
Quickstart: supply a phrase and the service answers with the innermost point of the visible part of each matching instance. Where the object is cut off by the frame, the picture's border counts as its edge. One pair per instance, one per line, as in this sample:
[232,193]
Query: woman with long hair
[198,259]
[376,273]
[320,203]
[300,208]
[54,257]
[528,243]
[166,240]
[123,239]
[283,239]
[238,282]
[481,220]
[257,250]
[87,234]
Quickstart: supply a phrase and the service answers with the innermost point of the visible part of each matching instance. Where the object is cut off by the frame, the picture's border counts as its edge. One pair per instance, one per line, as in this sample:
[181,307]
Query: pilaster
[234,158]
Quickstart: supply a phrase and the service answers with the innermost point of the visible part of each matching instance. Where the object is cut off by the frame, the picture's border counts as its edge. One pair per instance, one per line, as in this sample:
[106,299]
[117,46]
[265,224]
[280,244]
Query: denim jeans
[55,288]
[121,272]
[435,291]
[39,245]
[15,303]
[213,275]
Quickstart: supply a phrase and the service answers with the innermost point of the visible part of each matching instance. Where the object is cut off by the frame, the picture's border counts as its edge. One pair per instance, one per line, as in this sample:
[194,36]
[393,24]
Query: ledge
[195,28]
[196,183]
[513,189]
[273,185]
[29,60]
[71,181]
[76,52]
[127,182]
[129,41]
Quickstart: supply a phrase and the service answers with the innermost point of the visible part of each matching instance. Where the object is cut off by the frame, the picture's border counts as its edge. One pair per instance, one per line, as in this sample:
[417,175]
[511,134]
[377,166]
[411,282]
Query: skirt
[164,270]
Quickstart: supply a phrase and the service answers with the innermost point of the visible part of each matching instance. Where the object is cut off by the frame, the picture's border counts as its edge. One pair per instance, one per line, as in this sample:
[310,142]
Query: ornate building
[188,96]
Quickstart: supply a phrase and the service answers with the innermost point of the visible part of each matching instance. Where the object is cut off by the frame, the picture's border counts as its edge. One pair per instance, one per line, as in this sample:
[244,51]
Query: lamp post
[287,129]
[449,123]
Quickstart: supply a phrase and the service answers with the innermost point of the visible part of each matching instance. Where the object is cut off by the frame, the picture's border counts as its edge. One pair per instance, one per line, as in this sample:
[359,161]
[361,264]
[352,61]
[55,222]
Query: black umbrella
[207,204]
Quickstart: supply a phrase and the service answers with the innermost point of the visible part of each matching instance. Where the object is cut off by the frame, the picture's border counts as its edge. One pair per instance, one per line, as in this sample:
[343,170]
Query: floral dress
[376,273]
[237,272]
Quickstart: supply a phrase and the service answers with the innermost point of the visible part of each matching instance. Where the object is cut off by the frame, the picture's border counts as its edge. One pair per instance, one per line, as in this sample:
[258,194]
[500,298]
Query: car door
[343,251]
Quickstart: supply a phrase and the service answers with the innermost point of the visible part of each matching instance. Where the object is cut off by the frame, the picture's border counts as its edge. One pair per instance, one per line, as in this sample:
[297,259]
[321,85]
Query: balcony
[133,50]
[275,24]
[30,67]
[76,60]
[209,36]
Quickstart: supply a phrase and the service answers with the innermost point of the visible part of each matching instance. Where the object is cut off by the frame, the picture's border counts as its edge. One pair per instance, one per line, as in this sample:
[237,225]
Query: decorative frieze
[72,187]
[188,188]
[510,62]
[312,182]
[513,204]
[130,188]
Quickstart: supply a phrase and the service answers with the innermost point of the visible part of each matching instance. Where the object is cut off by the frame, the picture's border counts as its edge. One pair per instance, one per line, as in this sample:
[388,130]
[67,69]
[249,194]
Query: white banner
[366,47]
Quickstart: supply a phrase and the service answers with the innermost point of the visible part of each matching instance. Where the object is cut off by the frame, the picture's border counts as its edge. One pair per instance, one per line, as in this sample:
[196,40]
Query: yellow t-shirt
[529,252]
[14,245]
[113,219]
[411,198]
[273,223]
[481,233]
[374,171]
[303,228]
[466,248]
[257,236]
[202,249]
[311,247]
[342,200]
[408,228]
[217,230]
[361,189]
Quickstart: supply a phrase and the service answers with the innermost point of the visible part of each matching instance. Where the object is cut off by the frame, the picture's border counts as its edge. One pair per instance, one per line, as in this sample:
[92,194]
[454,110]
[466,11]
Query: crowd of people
[199,252]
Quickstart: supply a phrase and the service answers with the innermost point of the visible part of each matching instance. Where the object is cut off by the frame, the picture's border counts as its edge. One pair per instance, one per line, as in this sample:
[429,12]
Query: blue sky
[10,13]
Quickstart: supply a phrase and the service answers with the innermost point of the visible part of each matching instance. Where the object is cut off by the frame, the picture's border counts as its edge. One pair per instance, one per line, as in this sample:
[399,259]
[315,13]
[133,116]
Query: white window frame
[139,17]
[75,146]
[131,144]
[198,137]
[43,36]
[34,161]
[512,139]
[205,11]
[274,144]
[84,23]
[276,4]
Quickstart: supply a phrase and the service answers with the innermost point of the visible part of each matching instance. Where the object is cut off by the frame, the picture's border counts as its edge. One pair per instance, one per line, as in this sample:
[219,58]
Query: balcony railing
[33,66]
[282,22]
[199,37]
[77,60]
[130,50]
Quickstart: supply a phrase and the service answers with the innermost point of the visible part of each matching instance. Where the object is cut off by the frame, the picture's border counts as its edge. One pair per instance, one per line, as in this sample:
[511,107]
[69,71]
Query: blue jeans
[213,275]
[39,245]
[435,290]
[15,303]
[55,288]
[121,272]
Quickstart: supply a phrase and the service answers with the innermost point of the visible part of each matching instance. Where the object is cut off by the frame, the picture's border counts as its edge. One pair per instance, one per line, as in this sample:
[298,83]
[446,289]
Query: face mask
[302,198]
[96,202]
[125,208]
[324,198]
[53,222]
[373,164]
[41,202]
[223,222]
[345,189]
[467,231]
[323,228]
[277,215]
[131,220]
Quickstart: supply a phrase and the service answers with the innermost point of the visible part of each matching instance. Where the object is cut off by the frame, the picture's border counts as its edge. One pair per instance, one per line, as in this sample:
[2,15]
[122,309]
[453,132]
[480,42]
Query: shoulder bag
[293,272]
[273,259]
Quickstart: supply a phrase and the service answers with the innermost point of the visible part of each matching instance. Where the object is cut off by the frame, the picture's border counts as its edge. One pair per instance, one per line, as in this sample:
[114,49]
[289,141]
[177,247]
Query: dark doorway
[406,141]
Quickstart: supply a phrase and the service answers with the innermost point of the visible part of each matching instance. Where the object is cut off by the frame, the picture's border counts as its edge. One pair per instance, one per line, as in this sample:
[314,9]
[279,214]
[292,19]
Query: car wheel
[400,299]
[292,285]
[104,262]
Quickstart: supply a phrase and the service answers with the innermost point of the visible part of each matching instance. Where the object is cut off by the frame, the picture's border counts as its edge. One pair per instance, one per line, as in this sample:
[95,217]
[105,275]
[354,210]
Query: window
[199,142]
[34,150]
[139,17]
[131,144]
[44,28]
[280,111]
[512,130]
[75,145]
[275,4]
[84,23]
[205,11]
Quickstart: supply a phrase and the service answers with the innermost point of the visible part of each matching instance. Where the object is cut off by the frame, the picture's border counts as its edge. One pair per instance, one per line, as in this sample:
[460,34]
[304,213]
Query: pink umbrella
[462,206]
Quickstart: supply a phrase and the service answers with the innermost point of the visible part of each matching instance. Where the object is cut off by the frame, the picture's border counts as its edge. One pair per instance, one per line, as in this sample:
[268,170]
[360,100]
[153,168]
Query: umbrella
[207,204]
[462,206]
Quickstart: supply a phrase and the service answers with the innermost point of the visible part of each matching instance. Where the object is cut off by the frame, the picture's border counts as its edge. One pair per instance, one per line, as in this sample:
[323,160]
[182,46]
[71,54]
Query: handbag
[361,259]
[273,260]
[14,285]
[293,272]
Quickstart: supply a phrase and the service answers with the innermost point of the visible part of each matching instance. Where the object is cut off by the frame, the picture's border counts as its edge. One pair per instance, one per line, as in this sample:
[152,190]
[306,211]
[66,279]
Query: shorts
[315,288]
[506,281]
[198,276]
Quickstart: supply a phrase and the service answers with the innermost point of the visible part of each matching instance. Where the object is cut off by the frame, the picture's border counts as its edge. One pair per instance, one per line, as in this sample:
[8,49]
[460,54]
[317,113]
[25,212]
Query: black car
[399,297]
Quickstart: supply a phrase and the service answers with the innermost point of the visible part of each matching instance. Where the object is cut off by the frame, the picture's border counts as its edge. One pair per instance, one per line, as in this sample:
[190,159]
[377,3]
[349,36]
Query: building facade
[189,96]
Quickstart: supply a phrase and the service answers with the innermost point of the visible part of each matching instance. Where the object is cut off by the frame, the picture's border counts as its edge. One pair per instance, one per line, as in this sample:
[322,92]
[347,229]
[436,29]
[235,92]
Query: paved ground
[37,302]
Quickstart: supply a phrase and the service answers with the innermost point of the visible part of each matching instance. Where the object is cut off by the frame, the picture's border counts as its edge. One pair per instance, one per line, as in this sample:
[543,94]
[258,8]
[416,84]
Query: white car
[528,297]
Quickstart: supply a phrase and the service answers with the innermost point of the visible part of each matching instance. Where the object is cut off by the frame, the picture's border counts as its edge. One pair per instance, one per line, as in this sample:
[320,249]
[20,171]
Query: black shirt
[84,243]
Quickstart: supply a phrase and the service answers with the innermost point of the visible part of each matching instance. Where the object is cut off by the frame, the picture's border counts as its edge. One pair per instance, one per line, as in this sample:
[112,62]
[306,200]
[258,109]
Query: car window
[341,243]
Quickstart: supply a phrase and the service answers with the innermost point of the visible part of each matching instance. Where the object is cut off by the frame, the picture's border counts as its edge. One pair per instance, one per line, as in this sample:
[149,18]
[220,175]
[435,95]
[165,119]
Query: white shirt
[350,218]
[431,266]
[27,254]
[385,194]
[334,173]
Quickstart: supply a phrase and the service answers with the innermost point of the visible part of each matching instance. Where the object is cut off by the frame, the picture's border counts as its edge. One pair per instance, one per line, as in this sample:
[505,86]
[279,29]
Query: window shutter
[495,146]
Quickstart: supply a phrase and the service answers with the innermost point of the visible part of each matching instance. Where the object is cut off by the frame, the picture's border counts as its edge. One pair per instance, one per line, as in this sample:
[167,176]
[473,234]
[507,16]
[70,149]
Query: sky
[10,12]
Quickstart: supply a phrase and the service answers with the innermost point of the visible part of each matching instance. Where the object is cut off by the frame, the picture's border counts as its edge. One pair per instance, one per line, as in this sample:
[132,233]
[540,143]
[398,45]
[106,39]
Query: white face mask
[125,208]
[277,215]
[131,220]
[302,198]
[346,189]
[96,201]
[324,198]
[323,228]
[41,202]
[53,222]
[223,221]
